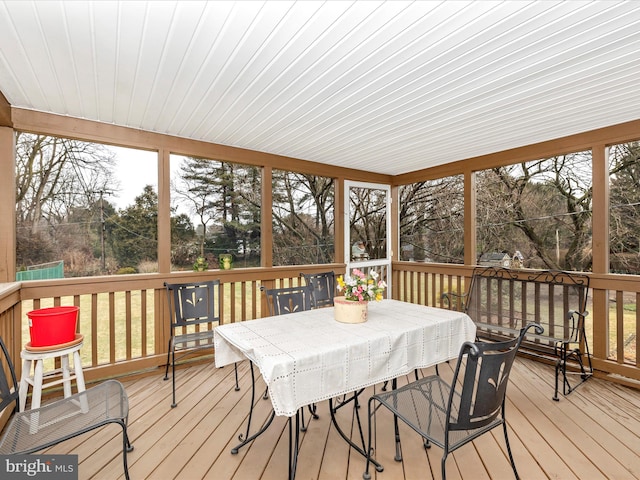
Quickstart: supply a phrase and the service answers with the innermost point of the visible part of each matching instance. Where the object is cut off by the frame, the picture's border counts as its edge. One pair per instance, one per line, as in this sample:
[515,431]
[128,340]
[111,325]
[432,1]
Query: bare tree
[548,202]
[56,178]
[624,217]
[303,218]
[53,175]
[368,220]
[431,220]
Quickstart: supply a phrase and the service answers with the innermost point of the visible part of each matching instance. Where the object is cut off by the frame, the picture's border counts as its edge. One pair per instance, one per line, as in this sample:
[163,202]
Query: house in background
[495,259]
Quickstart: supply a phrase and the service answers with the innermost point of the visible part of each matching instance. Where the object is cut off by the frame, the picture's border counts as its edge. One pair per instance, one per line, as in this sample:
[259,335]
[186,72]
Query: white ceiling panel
[389,87]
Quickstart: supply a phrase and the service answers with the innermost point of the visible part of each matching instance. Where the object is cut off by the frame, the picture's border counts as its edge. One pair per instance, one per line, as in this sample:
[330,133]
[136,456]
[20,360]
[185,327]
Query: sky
[134,170]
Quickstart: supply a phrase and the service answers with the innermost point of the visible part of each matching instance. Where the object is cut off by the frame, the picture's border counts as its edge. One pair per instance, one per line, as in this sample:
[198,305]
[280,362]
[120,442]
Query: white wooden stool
[35,356]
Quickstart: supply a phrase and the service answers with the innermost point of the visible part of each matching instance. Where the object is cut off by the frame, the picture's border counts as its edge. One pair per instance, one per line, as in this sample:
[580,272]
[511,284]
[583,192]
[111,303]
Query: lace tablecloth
[308,357]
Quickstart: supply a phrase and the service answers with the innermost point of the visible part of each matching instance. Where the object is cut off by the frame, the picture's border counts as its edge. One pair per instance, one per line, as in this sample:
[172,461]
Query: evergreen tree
[134,233]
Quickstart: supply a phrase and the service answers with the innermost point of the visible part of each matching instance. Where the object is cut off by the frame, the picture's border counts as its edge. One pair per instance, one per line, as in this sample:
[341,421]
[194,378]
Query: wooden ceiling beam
[92,131]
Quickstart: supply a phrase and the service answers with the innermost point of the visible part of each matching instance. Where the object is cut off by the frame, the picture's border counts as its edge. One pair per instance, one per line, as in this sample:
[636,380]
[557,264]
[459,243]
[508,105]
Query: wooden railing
[124,319]
[424,283]
[615,324]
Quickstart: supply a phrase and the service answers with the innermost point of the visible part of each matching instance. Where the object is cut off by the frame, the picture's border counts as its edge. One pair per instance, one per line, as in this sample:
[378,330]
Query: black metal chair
[452,417]
[194,310]
[323,288]
[281,301]
[39,428]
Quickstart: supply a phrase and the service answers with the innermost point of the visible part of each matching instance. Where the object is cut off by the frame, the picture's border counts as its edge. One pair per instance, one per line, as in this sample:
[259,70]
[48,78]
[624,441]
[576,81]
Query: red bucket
[52,326]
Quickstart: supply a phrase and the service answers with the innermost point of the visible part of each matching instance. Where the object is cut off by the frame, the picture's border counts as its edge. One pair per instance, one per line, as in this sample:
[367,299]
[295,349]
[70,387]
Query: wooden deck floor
[594,433]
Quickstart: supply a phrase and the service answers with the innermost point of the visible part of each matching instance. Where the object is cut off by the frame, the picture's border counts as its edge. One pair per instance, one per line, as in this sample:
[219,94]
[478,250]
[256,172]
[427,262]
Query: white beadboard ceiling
[390,87]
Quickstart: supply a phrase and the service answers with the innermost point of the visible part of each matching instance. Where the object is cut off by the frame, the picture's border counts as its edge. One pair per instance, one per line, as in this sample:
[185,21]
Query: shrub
[126,271]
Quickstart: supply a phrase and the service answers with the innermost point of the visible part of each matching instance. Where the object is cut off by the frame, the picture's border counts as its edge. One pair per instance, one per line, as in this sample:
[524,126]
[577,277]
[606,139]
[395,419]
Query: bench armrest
[576,322]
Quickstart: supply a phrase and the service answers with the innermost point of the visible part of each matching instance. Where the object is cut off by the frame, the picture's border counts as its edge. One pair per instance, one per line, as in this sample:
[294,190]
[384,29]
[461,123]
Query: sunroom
[439,134]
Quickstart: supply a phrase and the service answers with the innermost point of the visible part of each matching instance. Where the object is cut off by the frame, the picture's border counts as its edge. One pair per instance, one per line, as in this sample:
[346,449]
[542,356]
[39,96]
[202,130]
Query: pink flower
[362,287]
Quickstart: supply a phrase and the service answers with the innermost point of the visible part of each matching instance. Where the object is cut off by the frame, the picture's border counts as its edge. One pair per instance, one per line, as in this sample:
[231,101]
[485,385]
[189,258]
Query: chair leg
[173,379]
[24,385]
[294,445]
[303,427]
[166,370]
[313,412]
[555,393]
[396,429]
[235,367]
[126,447]
[561,367]
[506,440]
[366,475]
[443,467]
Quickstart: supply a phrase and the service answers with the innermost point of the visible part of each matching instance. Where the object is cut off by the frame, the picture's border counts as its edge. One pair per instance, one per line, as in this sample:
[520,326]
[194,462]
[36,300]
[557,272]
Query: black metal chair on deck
[281,301]
[194,310]
[323,288]
[452,417]
[39,428]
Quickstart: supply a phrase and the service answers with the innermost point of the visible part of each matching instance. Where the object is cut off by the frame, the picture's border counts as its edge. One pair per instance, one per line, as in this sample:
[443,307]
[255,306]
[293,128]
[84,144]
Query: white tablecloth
[308,357]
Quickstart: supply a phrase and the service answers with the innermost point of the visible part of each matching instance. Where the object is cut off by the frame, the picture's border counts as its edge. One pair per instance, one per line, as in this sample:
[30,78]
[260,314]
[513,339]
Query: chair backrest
[323,288]
[281,301]
[485,368]
[514,298]
[193,303]
[7,396]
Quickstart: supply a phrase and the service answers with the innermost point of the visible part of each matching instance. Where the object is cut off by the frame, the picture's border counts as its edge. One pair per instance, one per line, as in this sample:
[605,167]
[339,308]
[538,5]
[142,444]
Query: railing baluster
[128,323]
[620,339]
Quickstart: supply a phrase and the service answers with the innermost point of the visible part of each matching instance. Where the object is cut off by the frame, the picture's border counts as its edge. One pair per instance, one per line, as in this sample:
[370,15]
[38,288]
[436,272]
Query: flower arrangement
[360,287]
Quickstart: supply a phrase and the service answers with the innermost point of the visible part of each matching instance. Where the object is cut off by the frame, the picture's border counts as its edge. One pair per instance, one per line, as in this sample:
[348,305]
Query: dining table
[307,357]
